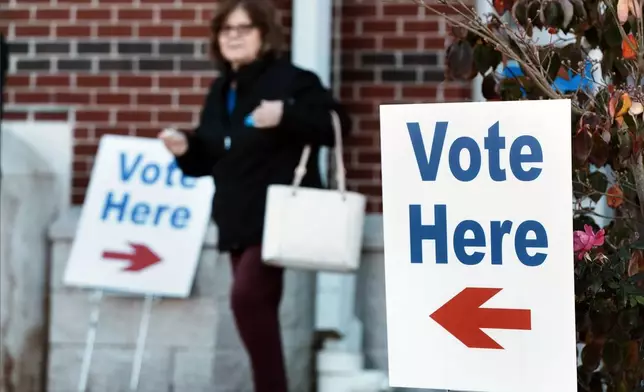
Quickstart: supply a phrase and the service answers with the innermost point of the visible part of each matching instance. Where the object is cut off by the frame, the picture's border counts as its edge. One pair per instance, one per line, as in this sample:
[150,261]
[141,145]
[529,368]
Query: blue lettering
[460,242]
[127,172]
[521,243]
[428,167]
[140,213]
[180,217]
[494,144]
[498,230]
[460,144]
[151,173]
[143,214]
[418,232]
[111,204]
[517,159]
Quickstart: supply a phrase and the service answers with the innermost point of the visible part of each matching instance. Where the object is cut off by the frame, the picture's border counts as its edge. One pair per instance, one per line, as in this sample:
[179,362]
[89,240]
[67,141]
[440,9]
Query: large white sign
[478,246]
[143,223]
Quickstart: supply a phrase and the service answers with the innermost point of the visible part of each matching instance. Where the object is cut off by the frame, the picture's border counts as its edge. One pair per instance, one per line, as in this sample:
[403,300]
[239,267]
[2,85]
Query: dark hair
[262,14]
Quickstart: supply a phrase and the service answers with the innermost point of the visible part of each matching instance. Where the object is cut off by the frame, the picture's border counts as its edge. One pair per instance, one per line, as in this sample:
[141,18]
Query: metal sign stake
[95,301]
[140,342]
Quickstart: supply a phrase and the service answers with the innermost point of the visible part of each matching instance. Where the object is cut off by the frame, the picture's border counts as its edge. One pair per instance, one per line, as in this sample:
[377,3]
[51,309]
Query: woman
[258,115]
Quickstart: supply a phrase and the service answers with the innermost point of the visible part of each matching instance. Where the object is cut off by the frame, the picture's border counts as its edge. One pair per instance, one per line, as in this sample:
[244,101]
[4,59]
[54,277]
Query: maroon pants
[255,299]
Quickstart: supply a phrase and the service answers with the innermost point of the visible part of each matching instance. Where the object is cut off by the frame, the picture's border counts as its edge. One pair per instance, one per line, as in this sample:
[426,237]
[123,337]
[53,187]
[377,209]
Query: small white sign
[143,223]
[478,246]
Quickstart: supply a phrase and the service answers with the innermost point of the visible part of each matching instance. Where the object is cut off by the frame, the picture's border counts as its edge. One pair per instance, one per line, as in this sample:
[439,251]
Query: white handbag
[314,229]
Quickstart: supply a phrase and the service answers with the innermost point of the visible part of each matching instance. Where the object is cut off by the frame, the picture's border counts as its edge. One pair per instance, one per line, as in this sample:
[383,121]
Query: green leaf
[612,36]
[485,57]
[598,182]
[591,356]
[612,354]
[640,299]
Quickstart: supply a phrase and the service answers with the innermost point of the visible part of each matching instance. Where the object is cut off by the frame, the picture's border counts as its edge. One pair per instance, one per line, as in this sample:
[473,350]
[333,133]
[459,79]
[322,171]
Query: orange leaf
[614,196]
[623,105]
[636,263]
[627,51]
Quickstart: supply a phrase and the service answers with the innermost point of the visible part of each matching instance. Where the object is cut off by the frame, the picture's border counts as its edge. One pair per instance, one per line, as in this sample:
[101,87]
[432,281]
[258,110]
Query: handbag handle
[340,171]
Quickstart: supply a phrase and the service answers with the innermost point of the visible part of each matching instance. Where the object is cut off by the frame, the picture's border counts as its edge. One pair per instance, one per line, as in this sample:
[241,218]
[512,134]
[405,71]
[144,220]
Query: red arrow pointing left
[140,258]
[463,317]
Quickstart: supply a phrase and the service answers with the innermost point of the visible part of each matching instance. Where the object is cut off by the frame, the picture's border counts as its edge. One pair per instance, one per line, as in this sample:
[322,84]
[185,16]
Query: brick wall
[135,67]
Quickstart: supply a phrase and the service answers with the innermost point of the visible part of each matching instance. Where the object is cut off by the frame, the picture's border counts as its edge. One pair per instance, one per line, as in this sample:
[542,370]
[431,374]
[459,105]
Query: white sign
[143,223]
[478,246]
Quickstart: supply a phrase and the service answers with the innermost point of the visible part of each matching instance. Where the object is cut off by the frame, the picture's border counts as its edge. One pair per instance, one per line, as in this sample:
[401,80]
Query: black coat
[244,160]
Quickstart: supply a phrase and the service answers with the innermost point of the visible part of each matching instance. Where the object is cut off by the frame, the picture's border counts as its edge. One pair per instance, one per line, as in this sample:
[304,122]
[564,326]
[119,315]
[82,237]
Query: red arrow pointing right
[141,257]
[463,317]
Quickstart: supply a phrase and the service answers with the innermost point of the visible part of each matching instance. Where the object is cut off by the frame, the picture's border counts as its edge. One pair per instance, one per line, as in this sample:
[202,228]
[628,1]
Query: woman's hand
[175,141]
[268,114]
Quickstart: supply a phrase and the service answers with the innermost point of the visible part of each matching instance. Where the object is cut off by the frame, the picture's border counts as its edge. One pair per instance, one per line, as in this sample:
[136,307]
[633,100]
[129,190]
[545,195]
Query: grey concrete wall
[29,201]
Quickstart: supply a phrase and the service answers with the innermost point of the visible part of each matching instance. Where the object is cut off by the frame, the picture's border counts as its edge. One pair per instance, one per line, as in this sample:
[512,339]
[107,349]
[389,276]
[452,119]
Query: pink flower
[584,241]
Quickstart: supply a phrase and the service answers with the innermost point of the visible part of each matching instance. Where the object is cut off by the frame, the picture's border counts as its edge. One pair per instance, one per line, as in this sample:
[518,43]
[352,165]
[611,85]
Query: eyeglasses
[240,30]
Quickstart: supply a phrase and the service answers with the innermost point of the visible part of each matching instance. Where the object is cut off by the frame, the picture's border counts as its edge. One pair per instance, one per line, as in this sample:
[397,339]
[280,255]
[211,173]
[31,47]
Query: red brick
[53,81]
[32,31]
[73,1]
[421,26]
[93,81]
[14,81]
[192,99]
[377,92]
[31,97]
[399,43]
[49,14]
[418,92]
[172,81]
[130,81]
[350,43]
[135,14]
[80,167]
[16,15]
[73,31]
[86,148]
[351,11]
[434,43]
[51,116]
[114,31]
[92,116]
[171,14]
[379,26]
[194,31]
[156,31]
[113,99]
[94,14]
[147,132]
[16,116]
[175,117]
[81,133]
[409,9]
[153,99]
[369,157]
[100,132]
[72,98]
[133,116]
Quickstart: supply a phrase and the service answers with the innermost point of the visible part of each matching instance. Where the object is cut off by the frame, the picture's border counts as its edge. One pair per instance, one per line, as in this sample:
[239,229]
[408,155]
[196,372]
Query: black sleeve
[307,115]
[200,158]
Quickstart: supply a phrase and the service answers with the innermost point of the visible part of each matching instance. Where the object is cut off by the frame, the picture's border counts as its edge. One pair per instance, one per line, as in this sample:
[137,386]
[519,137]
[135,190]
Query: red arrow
[463,317]
[140,258]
